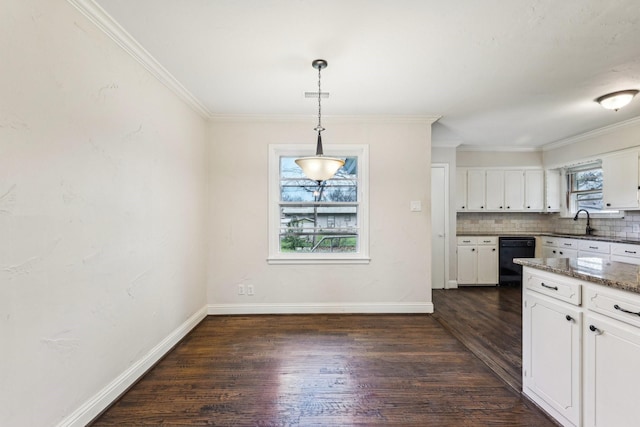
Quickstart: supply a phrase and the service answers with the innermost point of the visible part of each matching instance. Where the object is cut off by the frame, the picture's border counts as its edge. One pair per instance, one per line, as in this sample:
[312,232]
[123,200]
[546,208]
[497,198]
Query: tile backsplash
[496,223]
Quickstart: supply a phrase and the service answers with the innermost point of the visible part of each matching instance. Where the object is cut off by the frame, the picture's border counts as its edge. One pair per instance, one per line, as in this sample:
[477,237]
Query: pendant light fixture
[616,100]
[319,168]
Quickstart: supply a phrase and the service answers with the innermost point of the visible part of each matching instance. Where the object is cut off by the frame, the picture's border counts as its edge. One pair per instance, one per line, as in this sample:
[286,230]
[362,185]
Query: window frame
[571,203]
[361,152]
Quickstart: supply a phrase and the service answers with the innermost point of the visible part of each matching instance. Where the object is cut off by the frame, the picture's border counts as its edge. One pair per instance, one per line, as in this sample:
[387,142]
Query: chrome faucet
[589,229]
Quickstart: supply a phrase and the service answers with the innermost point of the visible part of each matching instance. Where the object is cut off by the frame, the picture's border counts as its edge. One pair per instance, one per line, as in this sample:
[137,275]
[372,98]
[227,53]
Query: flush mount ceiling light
[319,168]
[616,100]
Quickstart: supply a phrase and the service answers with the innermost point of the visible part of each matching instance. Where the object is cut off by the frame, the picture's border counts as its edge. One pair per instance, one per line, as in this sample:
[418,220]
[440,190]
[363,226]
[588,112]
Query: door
[439,225]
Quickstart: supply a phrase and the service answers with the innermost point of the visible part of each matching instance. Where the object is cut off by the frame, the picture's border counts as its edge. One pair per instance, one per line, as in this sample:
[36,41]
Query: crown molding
[110,27]
[330,118]
[501,148]
[591,134]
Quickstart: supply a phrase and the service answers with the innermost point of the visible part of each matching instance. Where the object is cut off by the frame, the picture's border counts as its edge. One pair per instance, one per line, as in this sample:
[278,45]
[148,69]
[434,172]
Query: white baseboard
[222,309]
[452,284]
[101,400]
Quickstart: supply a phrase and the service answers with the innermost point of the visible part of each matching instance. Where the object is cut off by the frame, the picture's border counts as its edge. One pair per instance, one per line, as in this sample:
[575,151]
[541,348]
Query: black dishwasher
[511,247]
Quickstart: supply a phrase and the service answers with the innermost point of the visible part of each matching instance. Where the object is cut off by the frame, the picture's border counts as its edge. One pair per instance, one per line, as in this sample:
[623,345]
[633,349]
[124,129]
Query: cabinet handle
[463,207]
[473,249]
[500,207]
[481,207]
[629,252]
[617,307]
[569,318]
[548,207]
[567,244]
[593,247]
[561,253]
[555,288]
[594,329]
[528,207]
[608,204]
[508,207]
[554,251]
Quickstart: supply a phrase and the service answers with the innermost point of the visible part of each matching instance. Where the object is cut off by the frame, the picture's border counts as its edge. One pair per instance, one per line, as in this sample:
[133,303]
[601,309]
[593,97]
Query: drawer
[617,305]
[549,241]
[487,240]
[591,246]
[564,290]
[624,249]
[466,240]
[568,243]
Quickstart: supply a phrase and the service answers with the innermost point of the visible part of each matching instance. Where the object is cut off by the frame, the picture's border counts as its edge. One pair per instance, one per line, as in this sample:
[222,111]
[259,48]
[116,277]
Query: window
[584,189]
[311,222]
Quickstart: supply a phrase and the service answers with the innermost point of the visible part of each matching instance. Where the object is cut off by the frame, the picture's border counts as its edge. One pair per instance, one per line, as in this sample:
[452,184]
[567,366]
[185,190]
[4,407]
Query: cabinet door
[467,265]
[461,190]
[488,265]
[567,253]
[620,181]
[549,252]
[551,355]
[475,190]
[612,372]
[552,193]
[534,190]
[495,190]
[514,190]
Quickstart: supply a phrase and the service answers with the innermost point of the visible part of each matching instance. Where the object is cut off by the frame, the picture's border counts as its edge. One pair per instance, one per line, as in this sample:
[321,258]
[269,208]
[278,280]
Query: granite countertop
[617,275]
[567,236]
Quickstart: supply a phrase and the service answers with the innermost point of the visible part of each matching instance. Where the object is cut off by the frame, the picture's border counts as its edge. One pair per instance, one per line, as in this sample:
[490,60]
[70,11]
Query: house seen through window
[584,189]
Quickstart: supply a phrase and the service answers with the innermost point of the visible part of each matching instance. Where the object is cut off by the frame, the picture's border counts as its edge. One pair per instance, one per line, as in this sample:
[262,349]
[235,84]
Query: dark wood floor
[325,370]
[488,321]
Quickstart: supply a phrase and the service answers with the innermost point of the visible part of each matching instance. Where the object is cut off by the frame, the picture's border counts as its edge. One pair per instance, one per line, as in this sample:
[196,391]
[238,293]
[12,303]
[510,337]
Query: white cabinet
[567,248]
[495,182]
[594,249]
[477,260]
[620,180]
[612,352]
[476,190]
[514,190]
[534,190]
[552,190]
[551,358]
[499,190]
[624,252]
[461,190]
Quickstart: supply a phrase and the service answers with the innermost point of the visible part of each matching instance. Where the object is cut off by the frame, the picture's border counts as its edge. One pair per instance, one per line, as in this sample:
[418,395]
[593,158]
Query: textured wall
[102,212]
[400,242]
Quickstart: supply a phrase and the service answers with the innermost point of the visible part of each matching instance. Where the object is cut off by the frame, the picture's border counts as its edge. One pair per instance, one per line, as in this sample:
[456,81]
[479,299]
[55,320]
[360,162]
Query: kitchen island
[581,339]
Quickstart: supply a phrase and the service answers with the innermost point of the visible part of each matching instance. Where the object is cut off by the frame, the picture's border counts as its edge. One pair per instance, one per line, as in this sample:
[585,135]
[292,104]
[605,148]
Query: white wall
[475,158]
[398,277]
[102,212]
[591,144]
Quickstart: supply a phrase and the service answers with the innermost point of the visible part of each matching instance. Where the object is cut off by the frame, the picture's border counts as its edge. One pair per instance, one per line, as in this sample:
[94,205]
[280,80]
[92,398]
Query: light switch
[416,206]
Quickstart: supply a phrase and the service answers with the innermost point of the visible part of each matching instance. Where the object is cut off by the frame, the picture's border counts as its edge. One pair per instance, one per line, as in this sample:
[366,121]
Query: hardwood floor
[488,321]
[325,370]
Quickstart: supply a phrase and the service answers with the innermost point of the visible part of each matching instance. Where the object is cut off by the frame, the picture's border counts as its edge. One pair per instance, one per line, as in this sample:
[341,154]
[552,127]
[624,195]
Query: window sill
[317,260]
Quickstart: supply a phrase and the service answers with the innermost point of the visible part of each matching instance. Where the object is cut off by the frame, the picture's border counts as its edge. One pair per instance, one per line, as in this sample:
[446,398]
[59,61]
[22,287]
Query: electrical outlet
[241,289]
[250,290]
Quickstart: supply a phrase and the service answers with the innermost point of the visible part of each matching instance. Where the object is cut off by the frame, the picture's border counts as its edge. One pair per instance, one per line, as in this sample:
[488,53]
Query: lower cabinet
[580,350]
[477,260]
[552,355]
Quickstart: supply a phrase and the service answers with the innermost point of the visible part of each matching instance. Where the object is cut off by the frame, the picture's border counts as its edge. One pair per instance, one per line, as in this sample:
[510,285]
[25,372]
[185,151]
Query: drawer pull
[555,288]
[617,307]
[569,318]
[593,247]
[549,243]
[629,252]
[594,329]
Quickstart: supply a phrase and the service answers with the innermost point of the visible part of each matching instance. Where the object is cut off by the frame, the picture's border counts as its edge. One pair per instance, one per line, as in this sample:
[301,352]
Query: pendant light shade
[319,168]
[616,100]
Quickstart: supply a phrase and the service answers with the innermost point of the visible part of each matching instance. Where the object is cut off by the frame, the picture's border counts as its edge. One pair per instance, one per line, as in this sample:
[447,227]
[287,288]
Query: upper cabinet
[552,190]
[620,180]
[500,190]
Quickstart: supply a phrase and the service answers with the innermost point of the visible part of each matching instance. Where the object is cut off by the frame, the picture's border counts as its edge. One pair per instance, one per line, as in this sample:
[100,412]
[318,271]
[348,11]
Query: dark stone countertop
[567,236]
[617,275]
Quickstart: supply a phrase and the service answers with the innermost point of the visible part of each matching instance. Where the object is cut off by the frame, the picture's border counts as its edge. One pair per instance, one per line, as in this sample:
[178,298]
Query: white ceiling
[501,73]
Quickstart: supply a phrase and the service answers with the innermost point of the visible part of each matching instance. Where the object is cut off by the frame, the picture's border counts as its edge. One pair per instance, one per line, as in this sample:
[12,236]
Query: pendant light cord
[319,128]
